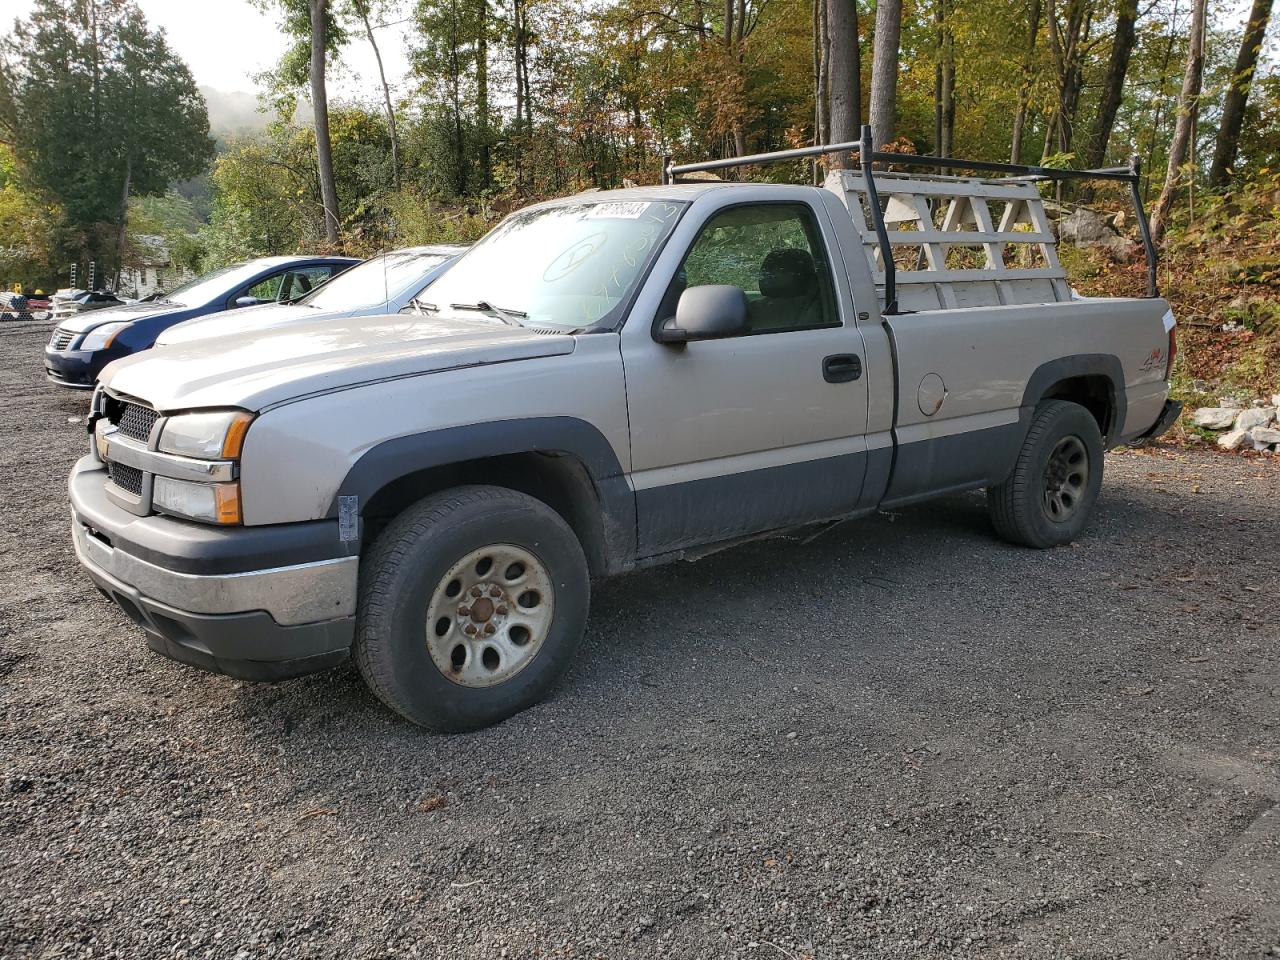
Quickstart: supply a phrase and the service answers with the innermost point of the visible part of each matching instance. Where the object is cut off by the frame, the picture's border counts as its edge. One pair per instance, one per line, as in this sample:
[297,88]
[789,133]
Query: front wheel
[1047,499]
[472,603]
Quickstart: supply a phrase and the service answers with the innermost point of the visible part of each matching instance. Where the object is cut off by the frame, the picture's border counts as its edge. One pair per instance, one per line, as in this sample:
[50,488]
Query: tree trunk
[1224,153]
[844,93]
[363,10]
[320,108]
[884,70]
[944,82]
[1028,78]
[518,41]
[1160,98]
[1188,110]
[1095,151]
[482,93]
[123,236]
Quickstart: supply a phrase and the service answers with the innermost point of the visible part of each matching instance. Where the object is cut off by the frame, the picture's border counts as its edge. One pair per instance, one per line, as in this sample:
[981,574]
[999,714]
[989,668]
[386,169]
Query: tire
[1047,499]
[426,649]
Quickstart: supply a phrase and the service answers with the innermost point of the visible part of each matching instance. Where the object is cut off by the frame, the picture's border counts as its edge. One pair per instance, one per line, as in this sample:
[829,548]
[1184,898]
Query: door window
[772,251]
[289,284]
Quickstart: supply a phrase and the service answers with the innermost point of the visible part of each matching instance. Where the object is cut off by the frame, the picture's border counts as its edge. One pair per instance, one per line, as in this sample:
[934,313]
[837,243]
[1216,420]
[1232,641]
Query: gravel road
[902,739]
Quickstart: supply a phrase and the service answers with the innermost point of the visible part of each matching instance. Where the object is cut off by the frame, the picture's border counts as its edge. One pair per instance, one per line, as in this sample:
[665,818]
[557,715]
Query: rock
[1232,403]
[1265,435]
[1084,227]
[1121,248]
[1215,418]
[1255,417]
[1275,400]
[1234,439]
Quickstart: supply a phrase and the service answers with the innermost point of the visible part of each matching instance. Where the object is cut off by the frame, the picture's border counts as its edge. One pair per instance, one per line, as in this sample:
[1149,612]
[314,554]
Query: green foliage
[102,109]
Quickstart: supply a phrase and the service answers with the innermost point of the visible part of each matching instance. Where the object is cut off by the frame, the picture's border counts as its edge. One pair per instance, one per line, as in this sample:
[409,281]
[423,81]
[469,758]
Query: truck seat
[789,295]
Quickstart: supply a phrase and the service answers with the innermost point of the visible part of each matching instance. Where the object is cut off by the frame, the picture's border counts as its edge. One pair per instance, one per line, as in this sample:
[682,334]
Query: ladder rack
[906,219]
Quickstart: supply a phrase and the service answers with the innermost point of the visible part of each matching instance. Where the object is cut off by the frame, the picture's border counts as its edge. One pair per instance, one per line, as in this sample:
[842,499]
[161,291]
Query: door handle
[841,368]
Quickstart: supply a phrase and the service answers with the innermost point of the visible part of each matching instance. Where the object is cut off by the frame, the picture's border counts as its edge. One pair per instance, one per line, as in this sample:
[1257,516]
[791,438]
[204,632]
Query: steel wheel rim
[1066,479]
[490,615]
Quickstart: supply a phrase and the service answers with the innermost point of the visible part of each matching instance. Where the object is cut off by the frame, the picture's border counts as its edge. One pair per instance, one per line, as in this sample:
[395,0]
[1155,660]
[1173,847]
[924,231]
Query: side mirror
[706,313]
[247,302]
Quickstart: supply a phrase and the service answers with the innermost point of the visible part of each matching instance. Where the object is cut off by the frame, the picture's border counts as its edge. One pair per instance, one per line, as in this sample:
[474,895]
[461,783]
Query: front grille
[126,478]
[136,421]
[61,339]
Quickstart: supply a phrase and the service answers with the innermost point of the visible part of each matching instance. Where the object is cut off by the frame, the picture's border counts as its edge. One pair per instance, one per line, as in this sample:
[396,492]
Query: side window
[298,283]
[288,285]
[266,290]
[774,252]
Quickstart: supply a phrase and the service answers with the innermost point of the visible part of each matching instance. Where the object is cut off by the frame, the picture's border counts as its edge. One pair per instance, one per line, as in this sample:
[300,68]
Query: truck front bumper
[235,601]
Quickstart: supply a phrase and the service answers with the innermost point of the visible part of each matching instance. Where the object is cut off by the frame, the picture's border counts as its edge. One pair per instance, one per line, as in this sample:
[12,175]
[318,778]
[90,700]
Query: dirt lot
[902,739]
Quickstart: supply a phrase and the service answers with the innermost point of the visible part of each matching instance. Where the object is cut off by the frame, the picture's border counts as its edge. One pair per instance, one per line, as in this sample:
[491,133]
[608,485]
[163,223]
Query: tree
[104,110]
[1228,143]
[1028,78]
[843,75]
[944,83]
[362,11]
[317,34]
[884,70]
[1188,111]
[1095,151]
[319,10]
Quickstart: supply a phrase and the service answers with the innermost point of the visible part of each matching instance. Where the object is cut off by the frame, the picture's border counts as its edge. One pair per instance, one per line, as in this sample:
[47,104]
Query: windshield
[214,284]
[569,265]
[375,281]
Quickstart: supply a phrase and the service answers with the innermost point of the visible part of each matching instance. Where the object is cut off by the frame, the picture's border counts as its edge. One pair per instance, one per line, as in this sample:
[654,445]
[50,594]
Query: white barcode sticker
[618,210]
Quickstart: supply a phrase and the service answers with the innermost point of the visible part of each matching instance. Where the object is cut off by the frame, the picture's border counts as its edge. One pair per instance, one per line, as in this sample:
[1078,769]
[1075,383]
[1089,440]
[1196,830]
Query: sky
[226,42]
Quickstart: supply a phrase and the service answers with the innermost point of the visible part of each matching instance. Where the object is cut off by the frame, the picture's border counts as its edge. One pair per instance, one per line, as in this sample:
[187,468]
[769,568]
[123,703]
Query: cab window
[774,252]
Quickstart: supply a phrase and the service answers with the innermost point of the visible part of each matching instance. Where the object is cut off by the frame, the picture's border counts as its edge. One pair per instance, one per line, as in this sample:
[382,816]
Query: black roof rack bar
[1017,170]
[669,172]
[868,156]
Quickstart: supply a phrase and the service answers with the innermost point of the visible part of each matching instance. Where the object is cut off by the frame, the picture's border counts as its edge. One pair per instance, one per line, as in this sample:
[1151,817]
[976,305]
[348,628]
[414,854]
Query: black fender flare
[1103,365]
[400,457]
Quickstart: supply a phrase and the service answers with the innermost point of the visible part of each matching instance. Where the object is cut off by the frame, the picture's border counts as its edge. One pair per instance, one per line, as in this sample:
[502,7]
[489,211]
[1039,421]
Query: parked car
[66,304]
[83,343]
[383,284]
[604,382]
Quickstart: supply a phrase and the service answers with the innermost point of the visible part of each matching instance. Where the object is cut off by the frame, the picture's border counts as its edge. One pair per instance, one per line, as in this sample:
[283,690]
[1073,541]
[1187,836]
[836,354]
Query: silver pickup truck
[606,381]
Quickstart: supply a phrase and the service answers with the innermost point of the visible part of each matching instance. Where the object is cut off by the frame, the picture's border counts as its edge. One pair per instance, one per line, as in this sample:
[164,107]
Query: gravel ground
[901,739]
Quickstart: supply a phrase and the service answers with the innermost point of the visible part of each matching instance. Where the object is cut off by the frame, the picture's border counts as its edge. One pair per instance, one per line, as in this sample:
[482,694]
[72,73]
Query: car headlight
[208,502]
[217,435]
[101,337]
[206,435]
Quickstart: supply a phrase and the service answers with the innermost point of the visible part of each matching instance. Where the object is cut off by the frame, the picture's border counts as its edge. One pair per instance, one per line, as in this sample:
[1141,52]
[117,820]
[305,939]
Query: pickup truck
[606,381]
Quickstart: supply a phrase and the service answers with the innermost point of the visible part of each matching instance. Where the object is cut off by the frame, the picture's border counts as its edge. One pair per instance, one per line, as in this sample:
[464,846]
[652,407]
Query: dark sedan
[85,343]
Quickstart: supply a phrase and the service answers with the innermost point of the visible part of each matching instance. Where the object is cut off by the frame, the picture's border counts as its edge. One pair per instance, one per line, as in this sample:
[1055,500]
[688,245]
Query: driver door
[759,431]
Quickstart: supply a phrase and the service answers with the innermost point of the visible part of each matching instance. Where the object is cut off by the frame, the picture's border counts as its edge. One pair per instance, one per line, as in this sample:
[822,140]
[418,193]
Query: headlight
[99,338]
[217,435]
[208,502]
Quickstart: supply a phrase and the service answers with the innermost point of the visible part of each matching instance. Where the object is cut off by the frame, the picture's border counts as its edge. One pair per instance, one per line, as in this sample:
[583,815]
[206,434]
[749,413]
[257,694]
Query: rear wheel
[1047,499]
[472,603]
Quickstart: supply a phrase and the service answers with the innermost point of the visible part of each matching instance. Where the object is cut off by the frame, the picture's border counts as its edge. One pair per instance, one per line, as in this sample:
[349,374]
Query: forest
[103,133]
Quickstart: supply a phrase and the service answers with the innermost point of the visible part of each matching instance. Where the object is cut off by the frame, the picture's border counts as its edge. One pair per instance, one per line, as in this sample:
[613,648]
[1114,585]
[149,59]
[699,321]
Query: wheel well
[1095,393]
[558,480]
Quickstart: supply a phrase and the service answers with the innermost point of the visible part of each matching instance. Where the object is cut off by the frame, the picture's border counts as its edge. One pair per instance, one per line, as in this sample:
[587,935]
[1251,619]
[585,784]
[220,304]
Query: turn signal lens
[234,440]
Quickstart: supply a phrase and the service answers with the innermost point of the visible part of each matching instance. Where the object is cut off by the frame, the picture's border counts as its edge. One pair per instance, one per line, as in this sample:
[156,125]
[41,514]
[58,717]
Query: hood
[86,320]
[305,358]
[244,320]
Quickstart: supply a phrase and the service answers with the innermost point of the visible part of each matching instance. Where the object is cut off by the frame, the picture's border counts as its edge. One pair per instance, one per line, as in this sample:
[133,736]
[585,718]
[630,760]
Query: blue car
[85,343]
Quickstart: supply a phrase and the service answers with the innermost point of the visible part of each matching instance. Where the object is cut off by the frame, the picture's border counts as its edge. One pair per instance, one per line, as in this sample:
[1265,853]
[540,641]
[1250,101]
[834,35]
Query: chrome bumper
[303,593]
